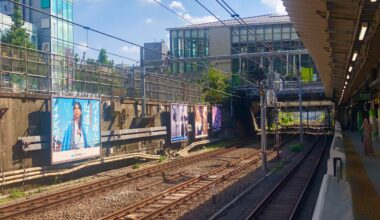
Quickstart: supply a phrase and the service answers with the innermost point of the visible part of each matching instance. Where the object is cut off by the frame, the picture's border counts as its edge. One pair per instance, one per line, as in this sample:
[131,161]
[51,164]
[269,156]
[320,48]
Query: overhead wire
[97,31]
[192,23]
[105,34]
[237,17]
[84,46]
[240,38]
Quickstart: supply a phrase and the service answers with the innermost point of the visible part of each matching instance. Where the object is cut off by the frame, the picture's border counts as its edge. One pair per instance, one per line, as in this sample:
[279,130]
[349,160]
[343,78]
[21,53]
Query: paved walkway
[363,174]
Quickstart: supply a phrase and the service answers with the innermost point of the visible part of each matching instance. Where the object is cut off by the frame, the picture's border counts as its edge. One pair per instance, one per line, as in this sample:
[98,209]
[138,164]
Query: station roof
[255,20]
[330,29]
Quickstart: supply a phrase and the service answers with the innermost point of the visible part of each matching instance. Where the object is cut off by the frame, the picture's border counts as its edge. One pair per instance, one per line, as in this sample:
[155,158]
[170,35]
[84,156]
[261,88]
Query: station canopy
[330,30]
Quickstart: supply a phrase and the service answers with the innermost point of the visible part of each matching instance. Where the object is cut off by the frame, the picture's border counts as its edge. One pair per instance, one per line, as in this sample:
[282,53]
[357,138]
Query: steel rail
[57,198]
[288,211]
[188,188]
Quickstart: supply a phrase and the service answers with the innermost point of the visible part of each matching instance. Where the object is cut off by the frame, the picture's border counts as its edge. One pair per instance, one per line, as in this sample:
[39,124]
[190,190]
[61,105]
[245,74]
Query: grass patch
[136,166]
[16,193]
[296,148]
[162,158]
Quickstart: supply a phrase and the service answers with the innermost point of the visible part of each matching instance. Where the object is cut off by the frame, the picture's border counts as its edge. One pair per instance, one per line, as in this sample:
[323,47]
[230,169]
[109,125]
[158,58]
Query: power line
[102,33]
[181,16]
[237,17]
[84,46]
[224,24]
[198,84]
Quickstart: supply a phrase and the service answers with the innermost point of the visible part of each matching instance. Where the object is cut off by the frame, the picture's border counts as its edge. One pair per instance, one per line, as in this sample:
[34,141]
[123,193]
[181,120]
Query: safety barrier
[18,176]
[32,143]
[335,199]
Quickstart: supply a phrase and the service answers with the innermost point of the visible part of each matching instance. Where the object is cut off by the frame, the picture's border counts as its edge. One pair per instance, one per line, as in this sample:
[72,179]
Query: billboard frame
[208,124]
[170,134]
[51,128]
[221,117]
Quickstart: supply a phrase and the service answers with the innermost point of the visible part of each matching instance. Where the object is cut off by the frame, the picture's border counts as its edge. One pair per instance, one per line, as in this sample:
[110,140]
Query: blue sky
[142,21]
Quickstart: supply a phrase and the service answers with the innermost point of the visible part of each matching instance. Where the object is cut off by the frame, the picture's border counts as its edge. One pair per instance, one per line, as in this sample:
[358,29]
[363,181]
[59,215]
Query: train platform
[363,174]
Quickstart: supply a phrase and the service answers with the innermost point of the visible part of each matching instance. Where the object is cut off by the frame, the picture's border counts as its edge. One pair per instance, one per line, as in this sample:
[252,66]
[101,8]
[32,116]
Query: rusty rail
[56,199]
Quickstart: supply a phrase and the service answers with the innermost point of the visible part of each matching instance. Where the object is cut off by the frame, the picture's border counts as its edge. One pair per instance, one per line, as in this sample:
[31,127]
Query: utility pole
[142,80]
[263,130]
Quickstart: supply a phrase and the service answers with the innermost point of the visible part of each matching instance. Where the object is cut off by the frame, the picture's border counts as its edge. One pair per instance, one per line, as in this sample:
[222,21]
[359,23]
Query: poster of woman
[179,121]
[216,118]
[201,123]
[75,129]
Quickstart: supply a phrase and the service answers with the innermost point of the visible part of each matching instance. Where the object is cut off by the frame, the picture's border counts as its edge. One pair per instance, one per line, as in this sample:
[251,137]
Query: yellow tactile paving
[366,201]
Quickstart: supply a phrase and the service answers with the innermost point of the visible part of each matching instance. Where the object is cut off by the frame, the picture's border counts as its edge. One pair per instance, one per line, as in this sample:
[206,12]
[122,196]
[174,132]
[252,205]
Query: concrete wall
[30,115]
[218,46]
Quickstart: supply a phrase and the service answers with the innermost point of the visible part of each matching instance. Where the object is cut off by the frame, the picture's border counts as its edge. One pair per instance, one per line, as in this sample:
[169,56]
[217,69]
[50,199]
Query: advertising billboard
[75,129]
[201,124]
[179,120]
[216,118]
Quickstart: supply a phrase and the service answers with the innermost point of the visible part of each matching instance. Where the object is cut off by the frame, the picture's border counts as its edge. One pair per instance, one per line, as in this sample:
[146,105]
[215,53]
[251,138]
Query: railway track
[56,199]
[283,200]
[156,206]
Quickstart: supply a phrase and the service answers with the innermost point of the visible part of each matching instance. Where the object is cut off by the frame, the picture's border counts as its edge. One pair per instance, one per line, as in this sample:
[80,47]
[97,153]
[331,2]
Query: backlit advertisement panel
[75,129]
[216,118]
[179,120]
[201,124]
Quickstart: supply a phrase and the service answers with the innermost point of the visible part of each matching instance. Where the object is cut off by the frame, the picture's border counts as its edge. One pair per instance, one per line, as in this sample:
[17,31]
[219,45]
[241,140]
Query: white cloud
[181,10]
[131,49]
[149,21]
[199,20]
[177,5]
[276,5]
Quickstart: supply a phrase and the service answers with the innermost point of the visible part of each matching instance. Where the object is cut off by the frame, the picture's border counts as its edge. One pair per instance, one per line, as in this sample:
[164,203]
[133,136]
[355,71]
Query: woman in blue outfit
[75,137]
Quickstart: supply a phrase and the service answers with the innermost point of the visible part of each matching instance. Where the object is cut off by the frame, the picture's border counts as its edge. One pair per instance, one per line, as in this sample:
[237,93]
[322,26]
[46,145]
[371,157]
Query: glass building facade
[189,43]
[62,49]
[281,35]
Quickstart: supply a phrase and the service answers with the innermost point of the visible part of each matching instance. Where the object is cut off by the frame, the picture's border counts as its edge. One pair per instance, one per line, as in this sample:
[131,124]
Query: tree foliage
[103,58]
[17,35]
[216,87]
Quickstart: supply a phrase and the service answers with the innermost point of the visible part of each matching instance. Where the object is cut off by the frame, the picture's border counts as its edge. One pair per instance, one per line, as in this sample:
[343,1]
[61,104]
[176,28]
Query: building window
[268,33]
[45,4]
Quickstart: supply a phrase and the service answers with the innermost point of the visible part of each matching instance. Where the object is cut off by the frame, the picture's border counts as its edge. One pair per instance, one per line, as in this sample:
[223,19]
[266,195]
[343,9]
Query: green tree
[103,58]
[217,87]
[17,35]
